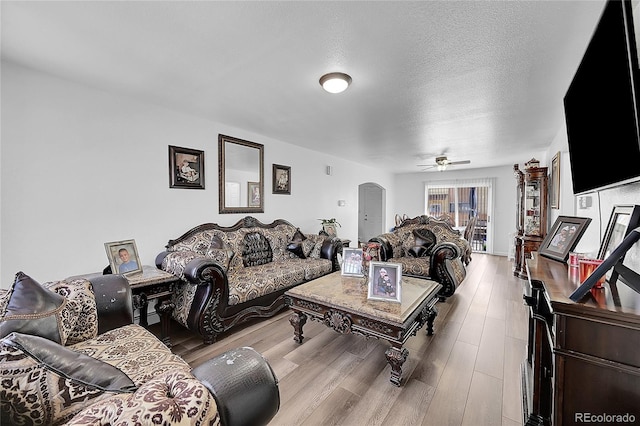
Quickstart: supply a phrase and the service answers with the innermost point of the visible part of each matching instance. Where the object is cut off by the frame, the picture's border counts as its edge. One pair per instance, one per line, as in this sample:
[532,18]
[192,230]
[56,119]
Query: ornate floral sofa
[232,274]
[70,354]
[428,248]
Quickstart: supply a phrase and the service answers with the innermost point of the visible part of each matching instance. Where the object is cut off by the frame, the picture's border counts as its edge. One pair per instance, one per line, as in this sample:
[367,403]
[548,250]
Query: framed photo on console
[563,237]
[384,281]
[123,257]
[352,262]
[623,219]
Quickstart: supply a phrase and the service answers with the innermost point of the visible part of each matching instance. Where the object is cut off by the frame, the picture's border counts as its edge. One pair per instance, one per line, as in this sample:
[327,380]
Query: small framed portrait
[384,281]
[281,179]
[624,218]
[352,262]
[563,237]
[123,257]
[186,168]
[253,194]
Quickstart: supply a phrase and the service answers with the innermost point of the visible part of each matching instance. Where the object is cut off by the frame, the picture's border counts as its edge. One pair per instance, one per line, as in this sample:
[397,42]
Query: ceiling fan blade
[453,163]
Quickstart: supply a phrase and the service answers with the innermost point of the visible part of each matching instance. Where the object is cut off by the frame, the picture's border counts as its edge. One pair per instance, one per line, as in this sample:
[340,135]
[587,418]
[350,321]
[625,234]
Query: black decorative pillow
[295,246]
[35,369]
[418,251]
[32,309]
[425,238]
[256,250]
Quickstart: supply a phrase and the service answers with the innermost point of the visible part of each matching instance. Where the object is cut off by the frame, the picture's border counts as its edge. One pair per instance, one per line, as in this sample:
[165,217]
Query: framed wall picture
[253,194]
[123,257]
[352,262]
[281,179]
[554,182]
[186,168]
[384,281]
[624,218]
[563,237]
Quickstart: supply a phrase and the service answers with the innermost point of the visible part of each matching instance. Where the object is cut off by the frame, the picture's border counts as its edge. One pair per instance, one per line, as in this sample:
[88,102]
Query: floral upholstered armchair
[70,354]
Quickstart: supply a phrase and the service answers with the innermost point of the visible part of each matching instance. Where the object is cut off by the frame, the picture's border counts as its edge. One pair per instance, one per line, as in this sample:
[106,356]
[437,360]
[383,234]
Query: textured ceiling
[477,80]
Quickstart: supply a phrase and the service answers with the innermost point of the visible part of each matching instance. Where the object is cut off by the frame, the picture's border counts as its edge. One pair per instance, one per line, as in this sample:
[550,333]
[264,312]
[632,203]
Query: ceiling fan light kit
[442,162]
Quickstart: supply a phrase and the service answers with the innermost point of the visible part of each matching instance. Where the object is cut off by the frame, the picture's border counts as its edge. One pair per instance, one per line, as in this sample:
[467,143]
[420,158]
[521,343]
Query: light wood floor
[467,373]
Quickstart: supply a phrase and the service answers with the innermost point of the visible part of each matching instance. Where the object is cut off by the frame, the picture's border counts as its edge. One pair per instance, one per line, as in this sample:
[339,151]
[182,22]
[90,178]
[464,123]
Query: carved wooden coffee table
[341,303]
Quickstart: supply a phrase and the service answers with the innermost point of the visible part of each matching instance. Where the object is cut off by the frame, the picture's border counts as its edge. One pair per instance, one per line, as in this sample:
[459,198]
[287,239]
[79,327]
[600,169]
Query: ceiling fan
[442,162]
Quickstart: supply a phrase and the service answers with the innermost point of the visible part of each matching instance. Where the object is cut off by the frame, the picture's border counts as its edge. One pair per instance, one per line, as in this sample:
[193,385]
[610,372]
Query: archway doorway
[371,211]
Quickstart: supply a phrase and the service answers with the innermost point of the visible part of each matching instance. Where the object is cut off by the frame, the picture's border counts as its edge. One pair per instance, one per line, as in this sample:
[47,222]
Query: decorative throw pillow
[45,383]
[82,301]
[221,256]
[425,238]
[176,398]
[256,250]
[32,309]
[418,251]
[295,246]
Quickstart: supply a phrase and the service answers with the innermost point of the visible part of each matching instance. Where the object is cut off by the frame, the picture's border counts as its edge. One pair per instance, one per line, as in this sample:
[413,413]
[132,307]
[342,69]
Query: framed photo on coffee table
[352,262]
[384,281]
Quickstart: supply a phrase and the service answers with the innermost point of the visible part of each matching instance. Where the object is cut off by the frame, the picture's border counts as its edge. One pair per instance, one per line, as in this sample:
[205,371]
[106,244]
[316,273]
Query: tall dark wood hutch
[531,211]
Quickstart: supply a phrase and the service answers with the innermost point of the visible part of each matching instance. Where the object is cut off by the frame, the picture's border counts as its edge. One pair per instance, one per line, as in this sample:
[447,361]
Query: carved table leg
[432,316]
[297,320]
[396,357]
[164,309]
[140,302]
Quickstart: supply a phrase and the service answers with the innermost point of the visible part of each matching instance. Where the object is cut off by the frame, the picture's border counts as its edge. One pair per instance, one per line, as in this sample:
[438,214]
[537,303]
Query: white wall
[81,167]
[409,197]
[600,203]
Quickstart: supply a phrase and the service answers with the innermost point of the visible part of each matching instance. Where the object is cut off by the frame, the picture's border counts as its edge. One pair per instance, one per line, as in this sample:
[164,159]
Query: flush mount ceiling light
[335,82]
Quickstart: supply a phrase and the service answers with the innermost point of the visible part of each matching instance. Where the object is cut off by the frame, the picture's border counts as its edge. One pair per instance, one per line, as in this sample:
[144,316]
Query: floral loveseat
[70,354]
[232,274]
[427,248]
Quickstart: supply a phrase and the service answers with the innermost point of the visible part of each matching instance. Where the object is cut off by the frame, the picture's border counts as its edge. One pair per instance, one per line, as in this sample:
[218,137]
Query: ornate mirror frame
[241,169]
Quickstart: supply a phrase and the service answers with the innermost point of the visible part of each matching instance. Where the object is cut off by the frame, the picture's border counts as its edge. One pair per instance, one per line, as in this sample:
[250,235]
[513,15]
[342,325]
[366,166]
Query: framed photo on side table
[384,281]
[563,237]
[352,262]
[123,257]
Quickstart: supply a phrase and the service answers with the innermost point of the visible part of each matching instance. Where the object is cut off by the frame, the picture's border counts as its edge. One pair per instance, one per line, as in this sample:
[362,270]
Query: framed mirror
[240,175]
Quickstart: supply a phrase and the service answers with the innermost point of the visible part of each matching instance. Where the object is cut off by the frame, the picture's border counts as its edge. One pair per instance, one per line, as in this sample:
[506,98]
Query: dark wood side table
[154,283]
[151,283]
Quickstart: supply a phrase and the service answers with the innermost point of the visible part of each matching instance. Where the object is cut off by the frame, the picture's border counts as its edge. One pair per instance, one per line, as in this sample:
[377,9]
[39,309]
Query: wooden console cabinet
[531,220]
[583,359]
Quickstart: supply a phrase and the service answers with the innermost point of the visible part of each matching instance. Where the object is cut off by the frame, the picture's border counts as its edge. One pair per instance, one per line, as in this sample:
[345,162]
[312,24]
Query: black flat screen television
[601,105]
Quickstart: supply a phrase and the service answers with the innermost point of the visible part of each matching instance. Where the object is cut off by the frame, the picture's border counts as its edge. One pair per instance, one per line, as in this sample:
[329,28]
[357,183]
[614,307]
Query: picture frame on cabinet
[623,219]
[563,237]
